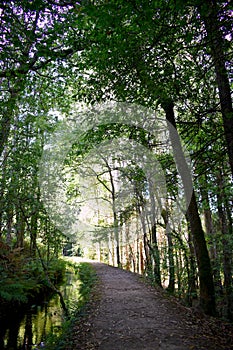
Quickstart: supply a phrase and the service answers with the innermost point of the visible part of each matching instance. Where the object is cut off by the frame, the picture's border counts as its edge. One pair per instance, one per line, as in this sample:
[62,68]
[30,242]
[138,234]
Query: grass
[88,279]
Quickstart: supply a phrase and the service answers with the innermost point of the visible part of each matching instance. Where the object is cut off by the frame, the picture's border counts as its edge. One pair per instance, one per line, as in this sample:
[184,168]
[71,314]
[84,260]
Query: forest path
[134,316]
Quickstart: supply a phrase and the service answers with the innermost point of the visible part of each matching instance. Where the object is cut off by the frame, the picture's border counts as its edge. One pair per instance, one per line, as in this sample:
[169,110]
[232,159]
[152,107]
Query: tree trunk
[154,248]
[6,121]
[171,285]
[210,231]
[156,256]
[215,41]
[127,248]
[20,229]
[192,276]
[116,236]
[227,249]
[137,246]
[114,209]
[145,239]
[207,295]
[9,223]
[33,233]
[3,187]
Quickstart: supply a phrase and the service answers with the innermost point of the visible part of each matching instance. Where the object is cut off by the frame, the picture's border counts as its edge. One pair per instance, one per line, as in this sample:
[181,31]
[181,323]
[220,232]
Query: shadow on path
[133,316]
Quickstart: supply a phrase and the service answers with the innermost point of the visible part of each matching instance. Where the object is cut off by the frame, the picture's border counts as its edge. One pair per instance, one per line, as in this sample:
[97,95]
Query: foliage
[22,278]
[53,54]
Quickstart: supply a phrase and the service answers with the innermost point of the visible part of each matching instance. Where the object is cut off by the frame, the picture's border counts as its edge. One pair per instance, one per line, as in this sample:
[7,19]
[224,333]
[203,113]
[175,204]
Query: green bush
[25,278]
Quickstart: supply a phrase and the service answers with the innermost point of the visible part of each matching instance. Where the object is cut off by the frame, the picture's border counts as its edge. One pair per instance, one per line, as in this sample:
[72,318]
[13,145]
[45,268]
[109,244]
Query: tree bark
[192,276]
[156,256]
[154,248]
[227,248]
[209,16]
[207,295]
[171,285]
[145,239]
[20,229]
[210,231]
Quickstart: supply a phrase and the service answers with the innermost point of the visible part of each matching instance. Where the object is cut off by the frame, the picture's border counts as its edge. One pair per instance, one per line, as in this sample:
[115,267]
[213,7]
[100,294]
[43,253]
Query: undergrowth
[23,278]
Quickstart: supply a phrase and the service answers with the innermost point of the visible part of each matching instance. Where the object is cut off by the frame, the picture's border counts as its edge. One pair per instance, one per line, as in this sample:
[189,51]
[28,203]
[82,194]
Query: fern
[13,293]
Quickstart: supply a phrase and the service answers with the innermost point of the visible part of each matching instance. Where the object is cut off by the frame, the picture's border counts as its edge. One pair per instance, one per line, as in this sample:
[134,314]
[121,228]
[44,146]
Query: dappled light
[116,154]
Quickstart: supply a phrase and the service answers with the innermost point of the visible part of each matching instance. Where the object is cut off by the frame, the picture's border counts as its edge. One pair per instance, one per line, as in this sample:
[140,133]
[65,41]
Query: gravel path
[134,316]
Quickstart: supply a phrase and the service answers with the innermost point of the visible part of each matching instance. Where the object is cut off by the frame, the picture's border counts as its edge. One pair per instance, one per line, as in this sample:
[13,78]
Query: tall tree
[207,293]
[32,37]
[216,18]
[147,71]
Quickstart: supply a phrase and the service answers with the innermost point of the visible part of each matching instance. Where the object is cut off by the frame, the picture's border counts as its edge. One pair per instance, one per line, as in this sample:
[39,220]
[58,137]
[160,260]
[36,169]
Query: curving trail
[133,316]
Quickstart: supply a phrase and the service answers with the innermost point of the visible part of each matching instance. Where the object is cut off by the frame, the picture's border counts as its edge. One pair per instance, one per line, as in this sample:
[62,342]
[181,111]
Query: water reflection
[28,331]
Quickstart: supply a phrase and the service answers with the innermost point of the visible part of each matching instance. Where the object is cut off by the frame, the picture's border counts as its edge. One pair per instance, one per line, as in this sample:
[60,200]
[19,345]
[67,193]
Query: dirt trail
[134,316]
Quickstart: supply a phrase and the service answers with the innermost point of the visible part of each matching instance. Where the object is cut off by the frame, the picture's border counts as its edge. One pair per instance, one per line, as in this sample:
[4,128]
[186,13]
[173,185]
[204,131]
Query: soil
[127,314]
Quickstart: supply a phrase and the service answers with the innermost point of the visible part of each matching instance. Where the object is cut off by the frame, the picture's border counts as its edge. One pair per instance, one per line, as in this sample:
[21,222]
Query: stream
[29,330]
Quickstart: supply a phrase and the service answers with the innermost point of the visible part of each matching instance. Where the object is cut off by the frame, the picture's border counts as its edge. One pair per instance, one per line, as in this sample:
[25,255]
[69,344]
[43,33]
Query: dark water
[29,330]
